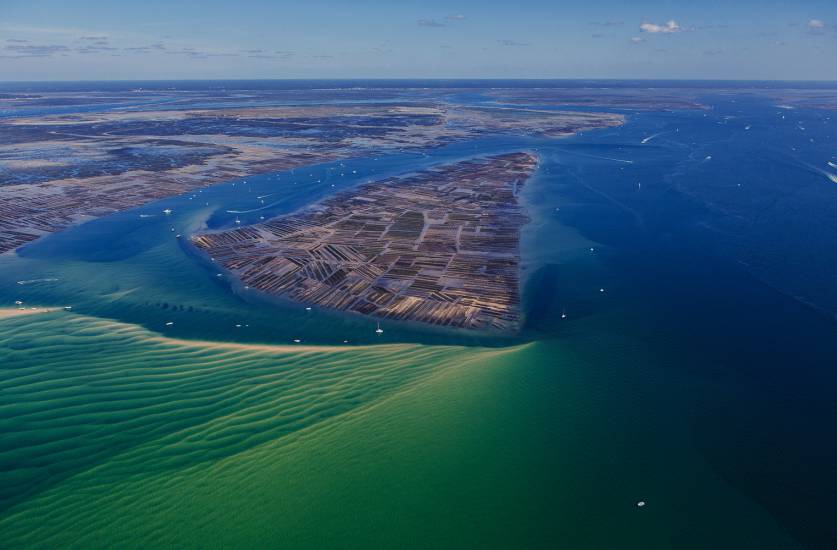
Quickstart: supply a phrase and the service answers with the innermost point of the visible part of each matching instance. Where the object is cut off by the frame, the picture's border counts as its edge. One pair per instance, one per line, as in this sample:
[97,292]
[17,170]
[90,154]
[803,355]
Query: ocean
[678,350]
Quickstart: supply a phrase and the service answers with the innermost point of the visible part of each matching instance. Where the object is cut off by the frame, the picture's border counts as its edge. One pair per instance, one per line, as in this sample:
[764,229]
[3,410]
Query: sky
[212,39]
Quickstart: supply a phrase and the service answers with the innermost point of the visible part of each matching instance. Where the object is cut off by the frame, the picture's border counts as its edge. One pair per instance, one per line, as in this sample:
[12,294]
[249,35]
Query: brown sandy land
[254,113]
[319,111]
[270,348]
[274,143]
[431,189]
[81,150]
[21,164]
[234,164]
[485,353]
[97,118]
[29,211]
[411,110]
[9,312]
[498,119]
[153,337]
[27,208]
[476,116]
[149,336]
[267,153]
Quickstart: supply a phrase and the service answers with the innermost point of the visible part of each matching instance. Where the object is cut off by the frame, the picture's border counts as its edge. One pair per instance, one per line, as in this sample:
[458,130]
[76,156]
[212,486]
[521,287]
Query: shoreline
[153,337]
[410,285]
[11,312]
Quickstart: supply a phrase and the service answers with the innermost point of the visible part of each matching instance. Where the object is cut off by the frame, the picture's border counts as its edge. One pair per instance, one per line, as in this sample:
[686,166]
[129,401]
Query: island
[119,151]
[440,246]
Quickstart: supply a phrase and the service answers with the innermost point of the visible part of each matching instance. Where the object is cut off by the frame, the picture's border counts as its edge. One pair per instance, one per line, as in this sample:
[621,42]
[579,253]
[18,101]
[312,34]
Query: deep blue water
[712,235]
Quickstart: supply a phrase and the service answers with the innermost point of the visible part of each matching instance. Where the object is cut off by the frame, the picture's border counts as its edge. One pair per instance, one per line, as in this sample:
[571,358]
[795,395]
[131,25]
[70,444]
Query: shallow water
[694,370]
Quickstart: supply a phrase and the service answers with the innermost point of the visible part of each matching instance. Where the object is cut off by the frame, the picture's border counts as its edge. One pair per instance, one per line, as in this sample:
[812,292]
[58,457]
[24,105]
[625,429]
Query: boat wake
[626,161]
[265,207]
[649,138]
[33,281]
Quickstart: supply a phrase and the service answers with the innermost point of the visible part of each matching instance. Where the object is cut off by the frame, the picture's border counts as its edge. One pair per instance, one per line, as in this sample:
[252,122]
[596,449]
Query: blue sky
[174,39]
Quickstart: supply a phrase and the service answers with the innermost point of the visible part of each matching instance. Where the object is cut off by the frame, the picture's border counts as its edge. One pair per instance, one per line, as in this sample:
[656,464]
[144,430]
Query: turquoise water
[694,369]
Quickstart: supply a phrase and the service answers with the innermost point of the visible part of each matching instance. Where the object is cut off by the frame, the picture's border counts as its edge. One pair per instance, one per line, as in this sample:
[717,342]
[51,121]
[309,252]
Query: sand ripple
[81,396]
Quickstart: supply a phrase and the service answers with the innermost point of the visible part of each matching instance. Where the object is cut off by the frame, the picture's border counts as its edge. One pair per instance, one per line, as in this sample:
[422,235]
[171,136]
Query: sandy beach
[8,312]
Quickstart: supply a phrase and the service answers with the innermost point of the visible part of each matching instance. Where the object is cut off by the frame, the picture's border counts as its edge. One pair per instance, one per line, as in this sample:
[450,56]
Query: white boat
[379,330]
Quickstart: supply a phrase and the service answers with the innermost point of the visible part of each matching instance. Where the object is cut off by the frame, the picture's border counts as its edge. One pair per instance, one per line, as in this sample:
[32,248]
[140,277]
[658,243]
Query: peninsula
[440,246]
[61,169]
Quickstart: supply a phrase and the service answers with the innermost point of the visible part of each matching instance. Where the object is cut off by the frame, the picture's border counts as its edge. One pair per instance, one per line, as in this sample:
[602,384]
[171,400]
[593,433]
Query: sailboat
[379,330]
[564,314]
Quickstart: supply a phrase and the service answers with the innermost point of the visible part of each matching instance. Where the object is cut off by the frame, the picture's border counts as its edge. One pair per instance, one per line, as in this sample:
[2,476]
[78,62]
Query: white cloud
[670,26]
[457,17]
[816,26]
[637,40]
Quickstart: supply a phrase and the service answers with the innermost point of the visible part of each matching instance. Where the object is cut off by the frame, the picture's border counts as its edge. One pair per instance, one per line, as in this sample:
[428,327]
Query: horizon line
[433,79]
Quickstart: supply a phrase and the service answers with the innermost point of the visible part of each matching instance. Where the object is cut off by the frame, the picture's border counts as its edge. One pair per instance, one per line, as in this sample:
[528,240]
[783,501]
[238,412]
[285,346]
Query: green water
[151,442]
[688,384]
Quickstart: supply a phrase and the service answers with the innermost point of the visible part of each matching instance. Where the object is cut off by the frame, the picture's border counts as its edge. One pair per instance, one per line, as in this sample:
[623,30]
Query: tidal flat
[676,346]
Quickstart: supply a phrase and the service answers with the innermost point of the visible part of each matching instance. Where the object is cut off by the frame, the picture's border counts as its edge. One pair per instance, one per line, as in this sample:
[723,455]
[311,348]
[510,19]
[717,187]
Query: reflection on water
[668,265]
